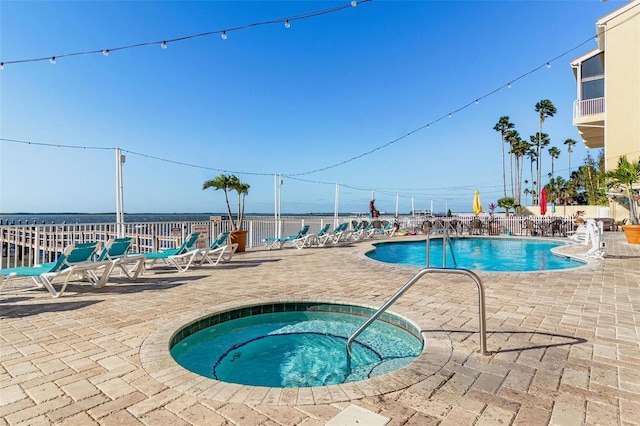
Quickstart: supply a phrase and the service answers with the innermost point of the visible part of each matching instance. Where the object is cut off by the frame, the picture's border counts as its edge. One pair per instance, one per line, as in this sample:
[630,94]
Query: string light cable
[418,193]
[163,43]
[476,101]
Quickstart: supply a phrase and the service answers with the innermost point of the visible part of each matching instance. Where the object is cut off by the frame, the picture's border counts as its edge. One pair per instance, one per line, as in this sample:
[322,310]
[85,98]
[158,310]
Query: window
[592,77]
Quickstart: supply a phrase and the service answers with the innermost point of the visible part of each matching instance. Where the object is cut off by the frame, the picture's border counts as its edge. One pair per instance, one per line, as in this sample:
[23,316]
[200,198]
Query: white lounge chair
[271,243]
[75,262]
[218,251]
[180,258]
[116,250]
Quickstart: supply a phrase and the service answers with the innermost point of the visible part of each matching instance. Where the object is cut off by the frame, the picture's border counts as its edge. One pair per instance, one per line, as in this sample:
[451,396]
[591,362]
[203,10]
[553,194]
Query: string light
[508,85]
[548,64]
[222,33]
[105,52]
[476,101]
[1,65]
[52,60]
[287,24]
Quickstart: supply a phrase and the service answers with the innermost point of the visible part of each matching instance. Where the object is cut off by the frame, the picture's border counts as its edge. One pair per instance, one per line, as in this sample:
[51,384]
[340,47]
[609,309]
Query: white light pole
[120,159]
[336,205]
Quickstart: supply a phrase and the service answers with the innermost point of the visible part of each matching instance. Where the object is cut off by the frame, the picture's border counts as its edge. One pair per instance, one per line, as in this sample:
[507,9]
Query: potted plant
[624,177]
[231,183]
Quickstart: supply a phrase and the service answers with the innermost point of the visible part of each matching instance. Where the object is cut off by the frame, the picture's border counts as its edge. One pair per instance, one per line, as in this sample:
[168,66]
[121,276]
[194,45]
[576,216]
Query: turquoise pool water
[480,254]
[296,349]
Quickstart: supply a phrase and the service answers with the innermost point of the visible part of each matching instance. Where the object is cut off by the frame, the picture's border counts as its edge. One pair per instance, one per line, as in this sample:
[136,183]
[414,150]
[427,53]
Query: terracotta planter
[632,232]
[239,237]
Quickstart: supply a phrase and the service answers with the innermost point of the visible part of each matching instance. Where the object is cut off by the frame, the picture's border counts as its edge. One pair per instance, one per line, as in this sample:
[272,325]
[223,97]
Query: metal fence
[24,245]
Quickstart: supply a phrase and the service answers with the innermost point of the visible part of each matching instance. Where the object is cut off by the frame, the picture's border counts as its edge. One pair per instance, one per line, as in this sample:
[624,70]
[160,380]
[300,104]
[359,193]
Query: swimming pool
[295,344]
[480,254]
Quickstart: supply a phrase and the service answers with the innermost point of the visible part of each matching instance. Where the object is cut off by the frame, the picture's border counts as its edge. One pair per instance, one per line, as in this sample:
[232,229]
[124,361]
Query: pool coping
[157,361]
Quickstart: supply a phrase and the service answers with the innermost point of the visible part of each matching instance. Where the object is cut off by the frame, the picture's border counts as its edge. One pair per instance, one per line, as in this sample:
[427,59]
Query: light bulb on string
[287,24]
[164,45]
[548,64]
[52,60]
[1,65]
[477,101]
[354,3]
[509,86]
[105,52]
[224,35]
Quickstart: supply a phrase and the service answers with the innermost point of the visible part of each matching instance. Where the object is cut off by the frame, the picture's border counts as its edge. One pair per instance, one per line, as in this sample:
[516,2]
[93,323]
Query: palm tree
[546,109]
[554,153]
[503,126]
[533,158]
[519,148]
[230,183]
[570,142]
[625,176]
[512,137]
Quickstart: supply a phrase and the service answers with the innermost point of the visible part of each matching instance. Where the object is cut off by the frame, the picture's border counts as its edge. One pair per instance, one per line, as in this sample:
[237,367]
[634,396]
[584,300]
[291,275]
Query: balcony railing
[588,107]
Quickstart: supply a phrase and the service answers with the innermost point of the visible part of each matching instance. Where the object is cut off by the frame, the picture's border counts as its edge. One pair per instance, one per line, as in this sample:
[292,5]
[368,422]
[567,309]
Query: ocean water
[71,218]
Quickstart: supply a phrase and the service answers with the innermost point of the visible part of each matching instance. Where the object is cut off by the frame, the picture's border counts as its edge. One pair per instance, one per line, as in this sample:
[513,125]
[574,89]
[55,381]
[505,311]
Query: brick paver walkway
[564,345]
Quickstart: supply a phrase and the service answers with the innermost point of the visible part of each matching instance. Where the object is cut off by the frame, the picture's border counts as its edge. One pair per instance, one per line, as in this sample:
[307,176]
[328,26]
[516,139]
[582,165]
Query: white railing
[24,245]
[588,107]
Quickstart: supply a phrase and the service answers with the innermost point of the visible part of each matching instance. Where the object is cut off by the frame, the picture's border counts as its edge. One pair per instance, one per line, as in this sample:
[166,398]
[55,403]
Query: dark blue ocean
[51,218]
[71,218]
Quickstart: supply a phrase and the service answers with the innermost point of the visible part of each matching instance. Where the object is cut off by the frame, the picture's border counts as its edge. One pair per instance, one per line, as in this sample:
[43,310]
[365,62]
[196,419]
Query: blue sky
[271,99]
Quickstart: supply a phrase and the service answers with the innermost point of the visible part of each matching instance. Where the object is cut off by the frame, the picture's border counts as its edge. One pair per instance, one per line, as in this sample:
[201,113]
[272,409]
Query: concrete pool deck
[565,346]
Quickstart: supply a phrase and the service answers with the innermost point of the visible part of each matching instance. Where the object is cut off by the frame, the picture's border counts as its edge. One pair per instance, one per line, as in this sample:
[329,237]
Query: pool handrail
[408,284]
[445,239]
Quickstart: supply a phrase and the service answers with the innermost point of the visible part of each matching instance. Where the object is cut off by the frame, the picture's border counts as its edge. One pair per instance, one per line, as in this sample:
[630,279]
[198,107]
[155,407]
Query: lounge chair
[360,231]
[388,229]
[333,236]
[181,258]
[310,239]
[528,228]
[271,243]
[116,250]
[476,227]
[75,262]
[218,251]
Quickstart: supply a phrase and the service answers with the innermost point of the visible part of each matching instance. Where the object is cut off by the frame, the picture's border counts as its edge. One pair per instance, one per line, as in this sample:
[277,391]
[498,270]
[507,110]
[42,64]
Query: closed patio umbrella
[477,207]
[543,201]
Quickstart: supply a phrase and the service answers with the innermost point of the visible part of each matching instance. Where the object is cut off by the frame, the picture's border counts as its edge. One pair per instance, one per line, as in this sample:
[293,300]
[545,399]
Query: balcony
[588,117]
[589,107]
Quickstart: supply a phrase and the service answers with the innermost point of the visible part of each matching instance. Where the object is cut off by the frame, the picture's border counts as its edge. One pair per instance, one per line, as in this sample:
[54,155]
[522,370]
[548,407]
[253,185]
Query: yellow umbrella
[477,207]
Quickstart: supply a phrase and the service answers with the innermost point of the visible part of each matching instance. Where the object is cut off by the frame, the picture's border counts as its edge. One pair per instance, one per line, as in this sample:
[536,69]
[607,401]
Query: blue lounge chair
[271,243]
[181,258]
[219,250]
[76,261]
[334,236]
[388,230]
[310,239]
[116,251]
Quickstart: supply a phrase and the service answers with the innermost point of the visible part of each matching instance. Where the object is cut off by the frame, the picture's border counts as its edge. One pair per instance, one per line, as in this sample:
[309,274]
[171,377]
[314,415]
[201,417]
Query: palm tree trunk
[504,178]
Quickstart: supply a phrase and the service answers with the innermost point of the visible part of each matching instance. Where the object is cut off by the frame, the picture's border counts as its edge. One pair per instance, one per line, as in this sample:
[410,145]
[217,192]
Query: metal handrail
[408,284]
[445,239]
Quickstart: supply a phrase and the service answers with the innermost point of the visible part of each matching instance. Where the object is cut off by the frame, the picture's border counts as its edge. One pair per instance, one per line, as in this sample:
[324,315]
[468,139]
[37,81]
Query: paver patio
[564,345]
